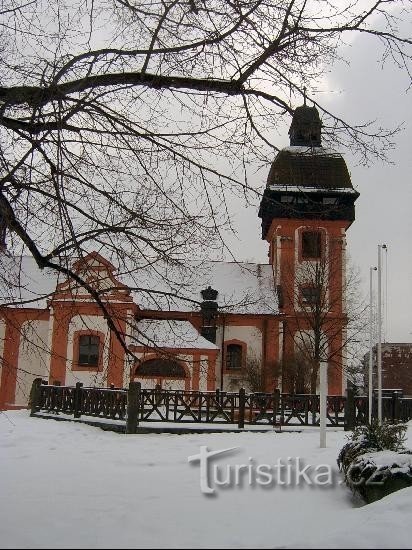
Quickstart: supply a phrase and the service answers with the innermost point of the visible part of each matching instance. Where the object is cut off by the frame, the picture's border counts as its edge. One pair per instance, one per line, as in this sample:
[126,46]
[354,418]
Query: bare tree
[328,318]
[127,125]
[294,374]
[252,376]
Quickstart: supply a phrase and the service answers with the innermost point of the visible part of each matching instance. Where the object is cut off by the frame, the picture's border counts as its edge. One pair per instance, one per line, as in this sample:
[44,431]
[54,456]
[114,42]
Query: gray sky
[360,92]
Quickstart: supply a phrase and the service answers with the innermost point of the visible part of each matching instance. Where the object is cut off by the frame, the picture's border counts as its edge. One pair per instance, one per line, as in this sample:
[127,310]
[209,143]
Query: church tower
[306,209]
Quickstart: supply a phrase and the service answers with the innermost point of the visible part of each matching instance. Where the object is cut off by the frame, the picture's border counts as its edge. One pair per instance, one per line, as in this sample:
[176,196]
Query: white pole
[323,391]
[370,400]
[379,350]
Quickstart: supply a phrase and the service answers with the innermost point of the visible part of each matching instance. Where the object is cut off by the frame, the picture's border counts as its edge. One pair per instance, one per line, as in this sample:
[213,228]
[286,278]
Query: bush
[375,461]
[375,475]
[372,437]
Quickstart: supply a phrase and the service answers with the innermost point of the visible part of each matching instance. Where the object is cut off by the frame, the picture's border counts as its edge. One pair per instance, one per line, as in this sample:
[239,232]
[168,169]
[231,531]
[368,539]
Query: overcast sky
[360,92]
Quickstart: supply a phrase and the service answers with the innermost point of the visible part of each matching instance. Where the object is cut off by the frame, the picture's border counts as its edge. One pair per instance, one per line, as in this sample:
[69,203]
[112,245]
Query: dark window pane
[310,294]
[89,350]
[83,358]
[311,244]
[234,356]
[93,359]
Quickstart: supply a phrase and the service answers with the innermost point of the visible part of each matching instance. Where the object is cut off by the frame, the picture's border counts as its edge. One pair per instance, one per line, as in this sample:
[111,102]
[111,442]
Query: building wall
[33,358]
[23,347]
[2,335]
[89,377]
[396,367]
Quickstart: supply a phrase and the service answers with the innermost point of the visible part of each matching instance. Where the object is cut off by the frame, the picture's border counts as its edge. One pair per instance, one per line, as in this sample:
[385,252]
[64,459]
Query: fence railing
[135,405]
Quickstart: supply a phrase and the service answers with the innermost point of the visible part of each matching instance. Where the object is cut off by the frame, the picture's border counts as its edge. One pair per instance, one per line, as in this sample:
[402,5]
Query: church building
[214,325]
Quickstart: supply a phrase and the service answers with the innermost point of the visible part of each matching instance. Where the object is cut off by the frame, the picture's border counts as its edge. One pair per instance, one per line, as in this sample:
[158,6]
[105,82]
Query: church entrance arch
[168,373]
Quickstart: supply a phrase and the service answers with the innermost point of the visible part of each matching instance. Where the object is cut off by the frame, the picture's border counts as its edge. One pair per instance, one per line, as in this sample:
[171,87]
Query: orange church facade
[240,314]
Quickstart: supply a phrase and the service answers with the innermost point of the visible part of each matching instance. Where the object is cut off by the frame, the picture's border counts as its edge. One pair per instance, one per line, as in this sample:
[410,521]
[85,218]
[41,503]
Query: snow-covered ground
[68,485]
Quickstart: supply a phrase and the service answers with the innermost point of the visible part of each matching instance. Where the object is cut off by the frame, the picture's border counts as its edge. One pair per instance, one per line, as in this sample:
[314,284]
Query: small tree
[251,377]
[328,315]
[294,374]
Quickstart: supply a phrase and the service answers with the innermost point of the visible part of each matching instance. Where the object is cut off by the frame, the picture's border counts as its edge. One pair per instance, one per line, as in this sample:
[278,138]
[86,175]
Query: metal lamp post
[379,350]
[323,392]
[370,396]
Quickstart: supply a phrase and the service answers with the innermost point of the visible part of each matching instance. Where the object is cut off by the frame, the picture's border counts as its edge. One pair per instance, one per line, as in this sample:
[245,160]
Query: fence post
[276,401]
[396,407]
[242,400]
[35,395]
[77,400]
[158,394]
[133,407]
[350,409]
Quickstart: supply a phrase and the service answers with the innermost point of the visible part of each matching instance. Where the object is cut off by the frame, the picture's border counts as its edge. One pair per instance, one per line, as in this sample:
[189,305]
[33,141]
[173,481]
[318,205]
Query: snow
[310,151]
[308,189]
[387,458]
[171,334]
[69,485]
[243,287]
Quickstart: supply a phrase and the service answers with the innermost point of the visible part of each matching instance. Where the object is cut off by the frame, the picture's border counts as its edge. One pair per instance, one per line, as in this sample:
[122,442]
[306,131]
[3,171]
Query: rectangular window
[311,244]
[310,294]
[234,356]
[279,291]
[89,350]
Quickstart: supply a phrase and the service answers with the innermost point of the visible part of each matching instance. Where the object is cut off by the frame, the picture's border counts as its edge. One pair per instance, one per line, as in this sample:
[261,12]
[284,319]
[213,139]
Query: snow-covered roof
[310,151]
[170,334]
[308,189]
[242,287]
[23,283]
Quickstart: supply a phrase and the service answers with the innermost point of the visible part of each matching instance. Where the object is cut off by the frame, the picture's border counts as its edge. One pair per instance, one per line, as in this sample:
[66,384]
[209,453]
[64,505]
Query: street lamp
[370,400]
[379,350]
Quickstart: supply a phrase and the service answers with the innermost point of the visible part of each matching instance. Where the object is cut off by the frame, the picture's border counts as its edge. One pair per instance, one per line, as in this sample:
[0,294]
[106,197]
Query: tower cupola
[306,180]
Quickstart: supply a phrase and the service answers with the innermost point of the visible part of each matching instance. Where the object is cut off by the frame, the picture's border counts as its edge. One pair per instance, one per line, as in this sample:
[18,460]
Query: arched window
[161,368]
[311,245]
[234,356]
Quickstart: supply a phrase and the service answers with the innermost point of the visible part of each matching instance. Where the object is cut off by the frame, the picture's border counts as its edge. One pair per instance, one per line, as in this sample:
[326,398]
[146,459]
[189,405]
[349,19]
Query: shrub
[375,461]
[375,475]
[372,437]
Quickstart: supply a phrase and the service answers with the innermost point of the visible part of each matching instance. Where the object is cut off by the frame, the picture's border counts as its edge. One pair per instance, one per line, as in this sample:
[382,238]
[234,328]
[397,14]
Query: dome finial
[304,96]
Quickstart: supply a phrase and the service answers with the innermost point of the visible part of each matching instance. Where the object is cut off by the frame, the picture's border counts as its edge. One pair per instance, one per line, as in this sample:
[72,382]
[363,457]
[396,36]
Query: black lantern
[209,309]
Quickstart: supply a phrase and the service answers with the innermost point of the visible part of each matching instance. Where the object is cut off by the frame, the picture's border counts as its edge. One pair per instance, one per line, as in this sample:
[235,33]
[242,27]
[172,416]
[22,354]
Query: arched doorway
[164,372]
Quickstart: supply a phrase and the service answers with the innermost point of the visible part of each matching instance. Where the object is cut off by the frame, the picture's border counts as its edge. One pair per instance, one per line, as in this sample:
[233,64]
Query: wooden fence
[137,405]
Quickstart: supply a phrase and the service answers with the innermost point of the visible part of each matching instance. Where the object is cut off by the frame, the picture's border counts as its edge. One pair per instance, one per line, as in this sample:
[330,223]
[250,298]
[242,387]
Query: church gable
[98,274]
